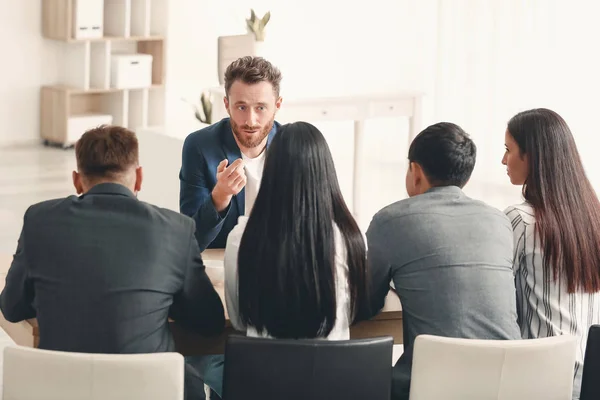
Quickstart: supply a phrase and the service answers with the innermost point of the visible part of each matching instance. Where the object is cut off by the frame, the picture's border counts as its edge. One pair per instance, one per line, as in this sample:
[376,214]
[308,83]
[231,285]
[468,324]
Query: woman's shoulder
[241,224]
[521,212]
[235,236]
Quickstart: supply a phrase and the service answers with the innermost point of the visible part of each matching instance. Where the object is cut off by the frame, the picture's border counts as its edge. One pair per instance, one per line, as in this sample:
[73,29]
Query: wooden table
[388,322]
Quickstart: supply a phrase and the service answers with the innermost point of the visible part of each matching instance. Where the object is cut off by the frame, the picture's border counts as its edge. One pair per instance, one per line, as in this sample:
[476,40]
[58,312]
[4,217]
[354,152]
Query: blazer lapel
[274,129]
[232,153]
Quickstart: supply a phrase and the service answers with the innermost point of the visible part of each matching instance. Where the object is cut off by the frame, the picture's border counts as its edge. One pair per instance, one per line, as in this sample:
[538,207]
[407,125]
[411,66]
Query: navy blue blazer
[203,150]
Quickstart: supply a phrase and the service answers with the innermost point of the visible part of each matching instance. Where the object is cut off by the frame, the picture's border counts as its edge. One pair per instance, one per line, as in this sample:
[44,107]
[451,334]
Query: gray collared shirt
[450,258]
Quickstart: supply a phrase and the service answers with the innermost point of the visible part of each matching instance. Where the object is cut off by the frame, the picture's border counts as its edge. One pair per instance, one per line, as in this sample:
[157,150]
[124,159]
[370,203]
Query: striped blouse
[544,306]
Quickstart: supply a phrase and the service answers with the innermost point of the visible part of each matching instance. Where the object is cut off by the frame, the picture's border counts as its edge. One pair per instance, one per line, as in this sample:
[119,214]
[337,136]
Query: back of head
[446,154]
[566,207]
[252,70]
[286,260]
[107,154]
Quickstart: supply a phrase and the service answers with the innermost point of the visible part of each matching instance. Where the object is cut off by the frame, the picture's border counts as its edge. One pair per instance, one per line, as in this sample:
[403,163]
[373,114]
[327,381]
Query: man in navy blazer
[222,164]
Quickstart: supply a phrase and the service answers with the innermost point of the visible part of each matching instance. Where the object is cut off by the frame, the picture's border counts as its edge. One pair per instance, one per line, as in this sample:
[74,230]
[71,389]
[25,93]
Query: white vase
[231,48]
[259,49]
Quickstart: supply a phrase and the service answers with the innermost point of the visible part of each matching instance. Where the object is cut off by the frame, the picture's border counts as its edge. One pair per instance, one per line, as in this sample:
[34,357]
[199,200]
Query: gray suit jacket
[450,258]
[102,273]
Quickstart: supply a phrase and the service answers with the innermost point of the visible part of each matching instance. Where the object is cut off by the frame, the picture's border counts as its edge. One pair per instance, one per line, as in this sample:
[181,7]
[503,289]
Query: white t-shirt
[254,169]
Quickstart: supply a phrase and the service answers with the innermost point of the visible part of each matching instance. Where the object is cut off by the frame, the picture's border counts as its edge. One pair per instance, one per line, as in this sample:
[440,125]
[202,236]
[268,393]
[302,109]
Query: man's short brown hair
[106,151]
[252,70]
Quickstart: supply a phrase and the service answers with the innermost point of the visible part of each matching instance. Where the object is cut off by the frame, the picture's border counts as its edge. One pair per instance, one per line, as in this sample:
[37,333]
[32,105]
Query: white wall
[497,58]
[478,61]
[389,45]
[28,61]
[386,46]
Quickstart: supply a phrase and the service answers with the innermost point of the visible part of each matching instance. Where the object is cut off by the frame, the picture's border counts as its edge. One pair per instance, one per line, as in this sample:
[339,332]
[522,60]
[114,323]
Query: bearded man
[222,164]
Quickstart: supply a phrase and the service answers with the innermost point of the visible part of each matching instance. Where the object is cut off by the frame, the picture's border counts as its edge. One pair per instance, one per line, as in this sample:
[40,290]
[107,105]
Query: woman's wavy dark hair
[567,210]
[287,255]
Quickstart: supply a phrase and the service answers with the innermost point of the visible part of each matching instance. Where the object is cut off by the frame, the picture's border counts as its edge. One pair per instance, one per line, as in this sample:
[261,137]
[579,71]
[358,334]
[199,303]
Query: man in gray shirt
[449,256]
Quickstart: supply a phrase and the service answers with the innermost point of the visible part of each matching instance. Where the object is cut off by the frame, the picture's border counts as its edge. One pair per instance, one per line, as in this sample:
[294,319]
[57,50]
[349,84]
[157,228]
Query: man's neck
[89,185]
[254,151]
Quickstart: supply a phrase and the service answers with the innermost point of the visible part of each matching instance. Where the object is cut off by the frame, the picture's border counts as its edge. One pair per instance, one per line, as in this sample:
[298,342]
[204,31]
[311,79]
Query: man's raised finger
[237,164]
[222,165]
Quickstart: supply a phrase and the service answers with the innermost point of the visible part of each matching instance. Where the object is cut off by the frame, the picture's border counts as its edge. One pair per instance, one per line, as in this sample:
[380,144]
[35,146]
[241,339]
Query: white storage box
[131,71]
[88,19]
[78,124]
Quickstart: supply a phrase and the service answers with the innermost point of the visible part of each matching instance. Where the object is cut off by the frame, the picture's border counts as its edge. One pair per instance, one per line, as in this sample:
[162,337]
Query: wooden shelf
[121,27]
[124,20]
[113,39]
[75,90]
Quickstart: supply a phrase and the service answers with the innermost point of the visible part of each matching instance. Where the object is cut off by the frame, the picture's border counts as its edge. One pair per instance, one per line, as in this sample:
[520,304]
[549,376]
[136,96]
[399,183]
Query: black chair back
[590,380]
[270,369]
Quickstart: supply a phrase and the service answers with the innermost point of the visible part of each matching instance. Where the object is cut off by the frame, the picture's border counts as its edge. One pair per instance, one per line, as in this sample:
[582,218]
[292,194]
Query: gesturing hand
[230,181]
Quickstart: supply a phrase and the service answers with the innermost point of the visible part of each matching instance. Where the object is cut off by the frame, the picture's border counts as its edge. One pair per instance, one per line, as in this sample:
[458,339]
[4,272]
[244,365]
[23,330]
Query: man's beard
[256,138]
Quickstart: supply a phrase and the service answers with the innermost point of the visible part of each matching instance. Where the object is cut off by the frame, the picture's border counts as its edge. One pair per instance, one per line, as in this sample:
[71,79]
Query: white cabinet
[88,19]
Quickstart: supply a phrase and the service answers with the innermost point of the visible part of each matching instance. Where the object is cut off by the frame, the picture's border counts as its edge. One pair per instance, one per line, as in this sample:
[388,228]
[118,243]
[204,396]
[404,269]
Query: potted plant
[256,25]
[203,112]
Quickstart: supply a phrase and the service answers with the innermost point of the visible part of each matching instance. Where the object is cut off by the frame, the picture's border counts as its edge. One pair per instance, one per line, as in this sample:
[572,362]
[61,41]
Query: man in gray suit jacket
[449,256]
[103,272]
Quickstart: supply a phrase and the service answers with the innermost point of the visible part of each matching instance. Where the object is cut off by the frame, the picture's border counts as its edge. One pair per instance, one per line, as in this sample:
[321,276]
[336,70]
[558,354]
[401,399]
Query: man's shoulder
[54,205]
[401,208]
[418,206]
[484,207]
[391,210]
[524,211]
[170,216]
[209,135]
[390,216]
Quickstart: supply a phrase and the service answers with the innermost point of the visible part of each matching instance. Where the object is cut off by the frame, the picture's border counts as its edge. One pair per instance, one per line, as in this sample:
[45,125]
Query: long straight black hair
[567,210]
[287,255]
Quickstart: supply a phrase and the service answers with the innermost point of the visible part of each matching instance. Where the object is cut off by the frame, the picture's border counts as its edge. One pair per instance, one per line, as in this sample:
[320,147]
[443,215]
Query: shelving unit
[126,27]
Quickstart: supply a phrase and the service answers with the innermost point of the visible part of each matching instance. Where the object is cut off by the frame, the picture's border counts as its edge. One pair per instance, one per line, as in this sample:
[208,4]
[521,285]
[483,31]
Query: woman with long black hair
[297,266]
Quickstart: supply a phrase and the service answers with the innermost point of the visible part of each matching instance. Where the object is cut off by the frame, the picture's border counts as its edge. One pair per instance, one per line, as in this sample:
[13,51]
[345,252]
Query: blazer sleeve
[195,198]
[16,300]
[379,266]
[197,306]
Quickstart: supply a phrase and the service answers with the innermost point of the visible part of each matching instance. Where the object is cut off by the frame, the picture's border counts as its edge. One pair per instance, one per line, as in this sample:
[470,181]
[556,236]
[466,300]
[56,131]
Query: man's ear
[77,182]
[138,179]
[422,183]
[226,102]
[417,175]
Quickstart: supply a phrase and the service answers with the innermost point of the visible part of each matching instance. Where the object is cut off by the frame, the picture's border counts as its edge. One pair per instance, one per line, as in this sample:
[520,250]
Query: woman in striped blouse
[556,231]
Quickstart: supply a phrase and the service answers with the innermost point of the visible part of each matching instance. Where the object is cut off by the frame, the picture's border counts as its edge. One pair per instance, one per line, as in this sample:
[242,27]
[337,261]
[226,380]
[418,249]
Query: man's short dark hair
[446,154]
[106,151]
[252,70]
